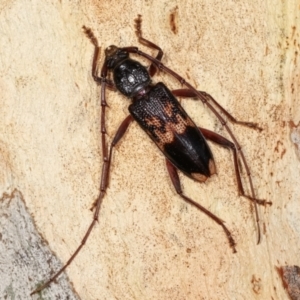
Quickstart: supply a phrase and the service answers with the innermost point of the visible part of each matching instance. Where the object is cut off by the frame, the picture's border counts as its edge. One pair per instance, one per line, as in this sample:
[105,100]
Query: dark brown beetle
[160,115]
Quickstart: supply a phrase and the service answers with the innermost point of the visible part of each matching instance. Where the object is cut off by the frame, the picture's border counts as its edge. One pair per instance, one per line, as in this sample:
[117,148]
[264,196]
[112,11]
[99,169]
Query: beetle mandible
[155,108]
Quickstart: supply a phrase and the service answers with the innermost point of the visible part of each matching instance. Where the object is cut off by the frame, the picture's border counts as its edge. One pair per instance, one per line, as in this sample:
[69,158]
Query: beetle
[158,112]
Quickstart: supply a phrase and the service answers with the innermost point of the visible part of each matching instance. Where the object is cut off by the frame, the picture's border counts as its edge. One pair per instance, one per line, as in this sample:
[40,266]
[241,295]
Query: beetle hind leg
[176,183]
[222,141]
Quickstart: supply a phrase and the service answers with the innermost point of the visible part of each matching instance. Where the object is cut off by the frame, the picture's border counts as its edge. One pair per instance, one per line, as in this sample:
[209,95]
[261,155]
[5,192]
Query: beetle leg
[138,27]
[220,140]
[95,68]
[176,183]
[103,186]
[191,94]
[103,80]
[94,41]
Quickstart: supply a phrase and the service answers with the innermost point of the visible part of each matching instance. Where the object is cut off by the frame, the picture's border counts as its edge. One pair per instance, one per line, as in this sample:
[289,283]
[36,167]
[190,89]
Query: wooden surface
[148,243]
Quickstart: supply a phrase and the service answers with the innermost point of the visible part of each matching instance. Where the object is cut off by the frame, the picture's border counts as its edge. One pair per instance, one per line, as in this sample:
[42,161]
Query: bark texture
[148,244]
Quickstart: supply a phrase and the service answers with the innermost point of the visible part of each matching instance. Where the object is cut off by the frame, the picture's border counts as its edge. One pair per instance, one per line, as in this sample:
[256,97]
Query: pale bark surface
[148,243]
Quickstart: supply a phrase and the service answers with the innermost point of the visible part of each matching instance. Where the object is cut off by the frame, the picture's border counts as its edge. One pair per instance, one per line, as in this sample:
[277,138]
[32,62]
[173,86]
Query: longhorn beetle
[155,108]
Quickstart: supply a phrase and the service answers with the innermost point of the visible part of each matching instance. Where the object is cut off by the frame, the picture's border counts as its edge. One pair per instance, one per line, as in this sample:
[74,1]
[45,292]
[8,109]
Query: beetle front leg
[100,80]
[177,185]
[138,27]
[95,69]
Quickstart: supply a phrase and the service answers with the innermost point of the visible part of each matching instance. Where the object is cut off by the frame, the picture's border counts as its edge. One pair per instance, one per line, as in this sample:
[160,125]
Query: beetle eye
[122,54]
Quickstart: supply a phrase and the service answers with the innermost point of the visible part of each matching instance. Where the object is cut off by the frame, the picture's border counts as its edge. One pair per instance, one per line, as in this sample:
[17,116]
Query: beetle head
[114,56]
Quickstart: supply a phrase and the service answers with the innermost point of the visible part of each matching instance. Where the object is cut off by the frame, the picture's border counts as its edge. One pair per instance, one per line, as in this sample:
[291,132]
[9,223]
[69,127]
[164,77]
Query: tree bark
[148,244]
